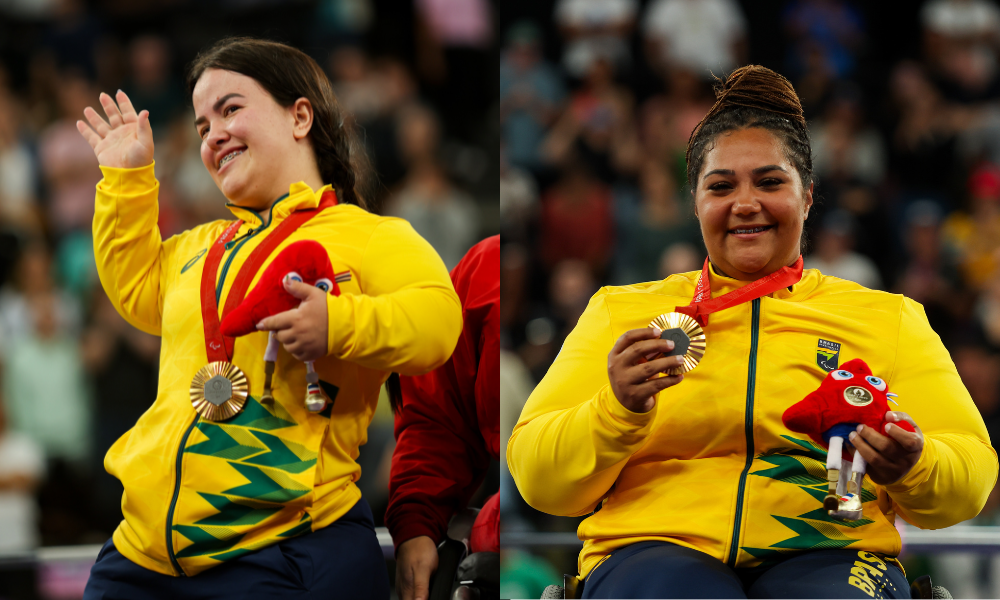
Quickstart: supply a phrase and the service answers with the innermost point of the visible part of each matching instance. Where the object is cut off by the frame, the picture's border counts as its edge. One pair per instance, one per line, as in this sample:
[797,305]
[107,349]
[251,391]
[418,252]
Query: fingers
[861,444]
[125,106]
[278,322]
[299,289]
[88,134]
[655,386]
[111,109]
[642,372]
[97,122]
[145,130]
[910,441]
[632,336]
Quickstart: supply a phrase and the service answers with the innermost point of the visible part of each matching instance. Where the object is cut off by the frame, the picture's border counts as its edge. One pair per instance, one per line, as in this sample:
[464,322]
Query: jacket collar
[722,284]
[299,197]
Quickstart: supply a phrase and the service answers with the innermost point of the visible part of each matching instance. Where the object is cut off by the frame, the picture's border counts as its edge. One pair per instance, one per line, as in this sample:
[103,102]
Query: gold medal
[219,391]
[688,337]
[858,396]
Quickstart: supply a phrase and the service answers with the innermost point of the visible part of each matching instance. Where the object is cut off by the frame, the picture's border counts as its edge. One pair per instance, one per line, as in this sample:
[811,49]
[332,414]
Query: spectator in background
[18,171]
[518,201]
[441,213]
[531,92]
[975,234]
[960,43]
[680,257]
[22,468]
[666,120]
[705,36]
[661,220]
[68,163]
[32,282]
[44,386]
[922,150]
[577,221]
[593,29]
[597,127]
[833,30]
[150,83]
[845,150]
[835,254]
[929,274]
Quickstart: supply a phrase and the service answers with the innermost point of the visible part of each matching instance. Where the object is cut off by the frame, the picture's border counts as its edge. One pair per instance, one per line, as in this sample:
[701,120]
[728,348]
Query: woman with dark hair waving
[697,488]
[261,503]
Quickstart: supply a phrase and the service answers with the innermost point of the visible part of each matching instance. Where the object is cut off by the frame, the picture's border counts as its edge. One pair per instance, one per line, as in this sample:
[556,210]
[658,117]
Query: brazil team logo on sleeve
[827,354]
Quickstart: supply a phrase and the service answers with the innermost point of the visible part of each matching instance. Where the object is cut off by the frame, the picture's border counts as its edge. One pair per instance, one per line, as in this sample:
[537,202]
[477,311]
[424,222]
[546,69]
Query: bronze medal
[219,391]
[688,337]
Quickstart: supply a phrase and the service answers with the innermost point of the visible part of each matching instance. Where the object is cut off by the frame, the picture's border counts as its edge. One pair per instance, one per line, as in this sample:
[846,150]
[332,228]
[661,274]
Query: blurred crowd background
[597,101]
[416,77]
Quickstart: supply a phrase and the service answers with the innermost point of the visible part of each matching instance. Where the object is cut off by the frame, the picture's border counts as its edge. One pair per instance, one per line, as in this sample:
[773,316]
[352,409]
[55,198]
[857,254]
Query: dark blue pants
[343,560]
[662,570]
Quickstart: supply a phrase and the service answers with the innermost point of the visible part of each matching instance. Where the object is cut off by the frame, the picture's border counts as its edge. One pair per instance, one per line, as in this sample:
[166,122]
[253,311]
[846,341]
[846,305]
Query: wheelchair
[462,575]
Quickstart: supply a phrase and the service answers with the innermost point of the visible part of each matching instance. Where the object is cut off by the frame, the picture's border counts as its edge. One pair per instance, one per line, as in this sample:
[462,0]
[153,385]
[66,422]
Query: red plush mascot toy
[848,397]
[305,261]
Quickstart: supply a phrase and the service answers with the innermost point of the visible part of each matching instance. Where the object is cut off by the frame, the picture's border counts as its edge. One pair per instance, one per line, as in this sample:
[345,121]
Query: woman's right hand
[634,380]
[125,140]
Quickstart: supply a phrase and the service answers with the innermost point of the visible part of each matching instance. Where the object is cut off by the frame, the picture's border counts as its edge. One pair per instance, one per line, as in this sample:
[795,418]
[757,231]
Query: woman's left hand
[303,330]
[890,457]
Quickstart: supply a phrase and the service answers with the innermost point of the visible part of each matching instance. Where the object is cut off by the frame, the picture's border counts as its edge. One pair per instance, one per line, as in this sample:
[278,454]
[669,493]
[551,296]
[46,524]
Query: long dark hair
[289,74]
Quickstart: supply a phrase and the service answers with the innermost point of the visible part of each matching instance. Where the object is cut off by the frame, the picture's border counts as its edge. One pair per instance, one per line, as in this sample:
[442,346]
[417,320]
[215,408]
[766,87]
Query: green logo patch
[827,354]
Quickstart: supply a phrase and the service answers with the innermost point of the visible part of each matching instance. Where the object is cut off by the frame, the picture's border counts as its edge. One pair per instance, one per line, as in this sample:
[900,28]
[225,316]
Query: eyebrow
[215,107]
[756,171]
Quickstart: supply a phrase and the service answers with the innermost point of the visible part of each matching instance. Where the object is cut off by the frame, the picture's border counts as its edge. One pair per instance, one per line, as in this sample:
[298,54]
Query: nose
[745,201]
[216,136]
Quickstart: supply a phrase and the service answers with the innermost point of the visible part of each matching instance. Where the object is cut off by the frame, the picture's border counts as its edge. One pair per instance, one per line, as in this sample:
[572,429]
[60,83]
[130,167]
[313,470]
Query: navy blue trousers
[343,560]
[662,570]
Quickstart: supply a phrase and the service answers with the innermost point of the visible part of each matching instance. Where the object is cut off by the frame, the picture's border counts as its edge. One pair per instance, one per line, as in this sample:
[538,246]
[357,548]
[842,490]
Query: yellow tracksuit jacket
[198,493]
[712,467]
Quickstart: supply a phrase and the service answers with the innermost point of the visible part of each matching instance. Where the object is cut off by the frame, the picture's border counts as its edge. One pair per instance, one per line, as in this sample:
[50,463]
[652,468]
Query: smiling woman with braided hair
[696,487]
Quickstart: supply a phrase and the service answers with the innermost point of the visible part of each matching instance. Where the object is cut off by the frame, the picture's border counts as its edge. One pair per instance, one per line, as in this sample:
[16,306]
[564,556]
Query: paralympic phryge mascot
[305,261]
[847,397]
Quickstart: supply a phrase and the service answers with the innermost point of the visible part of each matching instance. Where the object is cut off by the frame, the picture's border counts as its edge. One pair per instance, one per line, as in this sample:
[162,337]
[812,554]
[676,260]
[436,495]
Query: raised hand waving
[125,140]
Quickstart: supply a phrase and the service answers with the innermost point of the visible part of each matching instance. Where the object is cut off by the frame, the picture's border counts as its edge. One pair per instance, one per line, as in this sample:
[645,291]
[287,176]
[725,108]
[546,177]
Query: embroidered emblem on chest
[827,354]
[193,260]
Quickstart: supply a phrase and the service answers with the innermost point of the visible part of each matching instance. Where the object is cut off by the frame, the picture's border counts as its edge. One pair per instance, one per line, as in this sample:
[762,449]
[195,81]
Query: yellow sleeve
[408,317]
[574,436]
[127,247]
[958,466]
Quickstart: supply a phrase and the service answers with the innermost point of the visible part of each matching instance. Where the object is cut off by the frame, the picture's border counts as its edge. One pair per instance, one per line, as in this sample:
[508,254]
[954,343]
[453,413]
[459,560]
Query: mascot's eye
[293,276]
[842,374]
[324,284]
[877,383]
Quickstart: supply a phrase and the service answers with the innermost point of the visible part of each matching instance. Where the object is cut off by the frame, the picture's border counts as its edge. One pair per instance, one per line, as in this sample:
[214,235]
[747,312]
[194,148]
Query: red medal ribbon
[703,304]
[217,346]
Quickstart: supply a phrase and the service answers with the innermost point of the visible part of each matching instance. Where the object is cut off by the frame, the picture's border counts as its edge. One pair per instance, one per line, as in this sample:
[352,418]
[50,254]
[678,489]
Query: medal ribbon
[217,346]
[703,304]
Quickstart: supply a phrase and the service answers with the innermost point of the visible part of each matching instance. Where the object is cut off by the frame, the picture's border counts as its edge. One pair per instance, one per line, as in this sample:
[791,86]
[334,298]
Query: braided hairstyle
[753,96]
[289,74]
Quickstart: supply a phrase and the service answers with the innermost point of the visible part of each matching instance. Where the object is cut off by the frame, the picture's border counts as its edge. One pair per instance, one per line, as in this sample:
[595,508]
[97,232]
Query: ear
[809,201]
[302,113]
[694,201]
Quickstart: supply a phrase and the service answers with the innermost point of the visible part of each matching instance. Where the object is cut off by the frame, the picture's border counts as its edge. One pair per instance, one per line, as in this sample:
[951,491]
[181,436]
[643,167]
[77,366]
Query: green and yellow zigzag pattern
[264,460]
[805,467]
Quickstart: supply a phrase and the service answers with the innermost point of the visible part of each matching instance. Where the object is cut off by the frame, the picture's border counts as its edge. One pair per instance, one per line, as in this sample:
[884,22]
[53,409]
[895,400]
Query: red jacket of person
[449,424]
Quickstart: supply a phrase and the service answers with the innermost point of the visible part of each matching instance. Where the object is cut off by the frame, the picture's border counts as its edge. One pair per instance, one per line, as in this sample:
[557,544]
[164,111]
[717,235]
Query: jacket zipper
[173,499]
[748,429]
[180,450]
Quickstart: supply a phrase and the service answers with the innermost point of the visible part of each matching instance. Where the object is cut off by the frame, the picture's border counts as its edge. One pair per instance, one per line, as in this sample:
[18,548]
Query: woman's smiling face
[247,137]
[751,204]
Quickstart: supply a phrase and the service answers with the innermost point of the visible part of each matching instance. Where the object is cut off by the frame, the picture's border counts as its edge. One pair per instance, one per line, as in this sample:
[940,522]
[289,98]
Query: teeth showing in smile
[752,229]
[229,157]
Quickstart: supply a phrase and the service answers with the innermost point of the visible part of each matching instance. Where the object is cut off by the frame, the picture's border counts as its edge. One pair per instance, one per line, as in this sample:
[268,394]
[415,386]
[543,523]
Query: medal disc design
[219,391]
[858,396]
[688,337]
